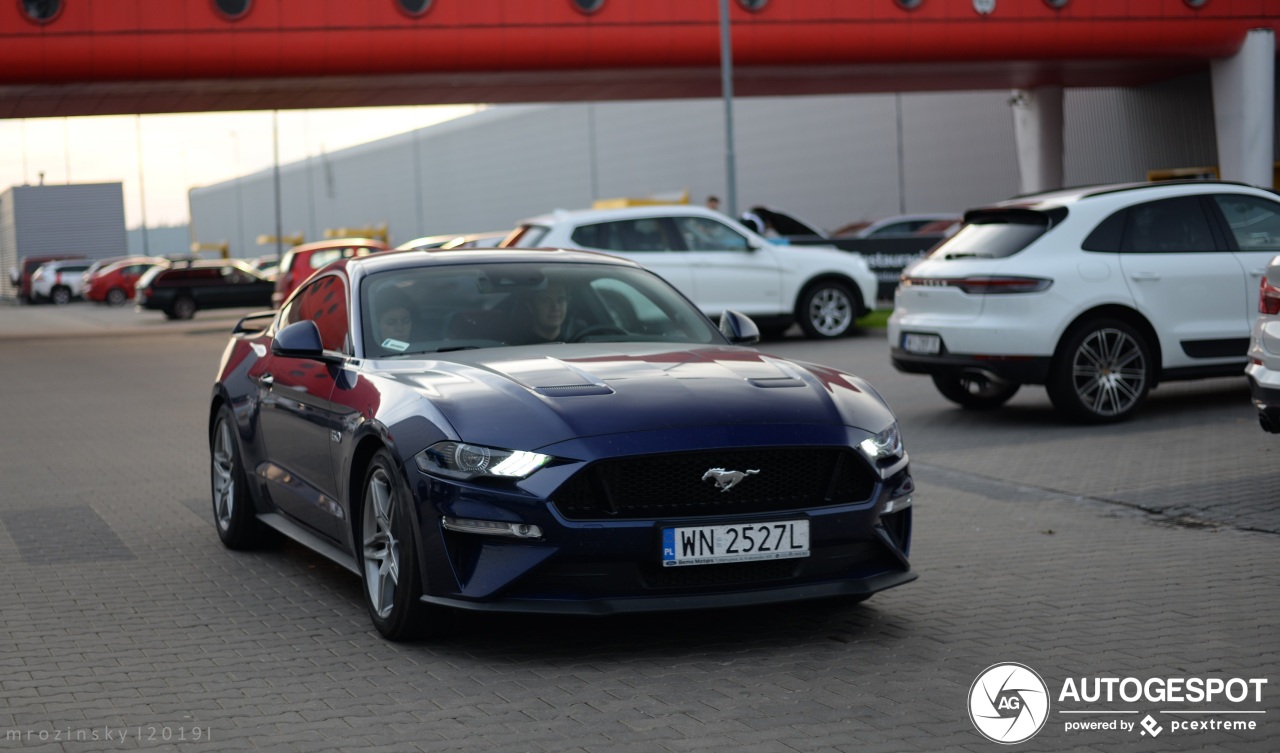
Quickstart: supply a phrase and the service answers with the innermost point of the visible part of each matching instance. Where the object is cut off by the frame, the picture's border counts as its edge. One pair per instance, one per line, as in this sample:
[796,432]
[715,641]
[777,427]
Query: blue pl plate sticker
[669,544]
[399,346]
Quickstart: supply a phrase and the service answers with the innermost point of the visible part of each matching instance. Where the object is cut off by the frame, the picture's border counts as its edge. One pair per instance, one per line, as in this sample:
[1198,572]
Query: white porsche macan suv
[1097,293]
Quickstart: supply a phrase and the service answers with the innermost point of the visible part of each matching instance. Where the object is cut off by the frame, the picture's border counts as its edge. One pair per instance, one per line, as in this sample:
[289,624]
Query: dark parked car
[402,416]
[183,288]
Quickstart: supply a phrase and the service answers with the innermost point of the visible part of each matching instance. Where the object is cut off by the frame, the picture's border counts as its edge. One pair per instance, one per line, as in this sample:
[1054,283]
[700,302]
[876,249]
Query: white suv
[1097,293]
[59,281]
[719,264]
[1264,351]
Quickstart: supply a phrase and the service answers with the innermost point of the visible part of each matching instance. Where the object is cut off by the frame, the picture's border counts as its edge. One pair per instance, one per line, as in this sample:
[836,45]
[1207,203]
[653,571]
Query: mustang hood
[530,397]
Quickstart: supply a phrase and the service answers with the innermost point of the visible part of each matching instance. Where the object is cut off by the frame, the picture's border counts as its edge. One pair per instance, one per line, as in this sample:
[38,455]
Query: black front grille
[679,485]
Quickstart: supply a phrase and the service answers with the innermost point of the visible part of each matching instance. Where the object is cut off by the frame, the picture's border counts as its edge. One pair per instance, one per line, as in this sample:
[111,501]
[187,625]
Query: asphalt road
[1144,550]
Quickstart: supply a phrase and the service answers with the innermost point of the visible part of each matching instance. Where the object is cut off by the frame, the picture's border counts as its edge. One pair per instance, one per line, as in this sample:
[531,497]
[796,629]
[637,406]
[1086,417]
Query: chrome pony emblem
[726,480]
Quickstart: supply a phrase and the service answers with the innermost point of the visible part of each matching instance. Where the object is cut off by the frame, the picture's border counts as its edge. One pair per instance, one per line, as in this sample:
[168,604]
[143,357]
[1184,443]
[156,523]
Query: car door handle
[1257,272]
[1144,277]
[266,380]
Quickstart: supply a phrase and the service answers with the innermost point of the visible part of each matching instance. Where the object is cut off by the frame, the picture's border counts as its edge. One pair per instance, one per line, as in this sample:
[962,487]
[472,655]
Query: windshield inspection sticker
[399,346]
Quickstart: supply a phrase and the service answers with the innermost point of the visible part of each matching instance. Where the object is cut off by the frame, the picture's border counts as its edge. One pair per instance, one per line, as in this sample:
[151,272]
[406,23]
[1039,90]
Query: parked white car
[1264,351]
[1097,293]
[719,264]
[59,281]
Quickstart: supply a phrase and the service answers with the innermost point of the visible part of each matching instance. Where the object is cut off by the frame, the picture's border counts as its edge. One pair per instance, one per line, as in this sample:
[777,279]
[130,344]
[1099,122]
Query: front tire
[828,309]
[233,514]
[974,391]
[61,296]
[1103,372]
[389,558]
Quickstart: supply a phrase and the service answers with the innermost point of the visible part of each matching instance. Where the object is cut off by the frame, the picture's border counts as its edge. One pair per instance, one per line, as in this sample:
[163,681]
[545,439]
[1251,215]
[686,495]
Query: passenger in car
[395,320]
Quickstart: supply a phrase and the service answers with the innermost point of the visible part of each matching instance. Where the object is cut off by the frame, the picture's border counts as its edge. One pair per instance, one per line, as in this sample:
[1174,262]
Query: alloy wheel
[224,484]
[830,312]
[1109,372]
[381,548]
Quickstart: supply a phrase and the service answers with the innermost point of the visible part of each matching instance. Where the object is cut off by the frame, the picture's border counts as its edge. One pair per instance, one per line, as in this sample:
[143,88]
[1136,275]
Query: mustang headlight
[887,445]
[465,461]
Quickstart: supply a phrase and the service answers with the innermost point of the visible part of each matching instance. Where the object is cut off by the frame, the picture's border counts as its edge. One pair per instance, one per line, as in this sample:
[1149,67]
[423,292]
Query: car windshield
[457,307]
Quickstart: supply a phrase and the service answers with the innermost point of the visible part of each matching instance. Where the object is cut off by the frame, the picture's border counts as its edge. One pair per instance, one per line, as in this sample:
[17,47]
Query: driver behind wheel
[542,315]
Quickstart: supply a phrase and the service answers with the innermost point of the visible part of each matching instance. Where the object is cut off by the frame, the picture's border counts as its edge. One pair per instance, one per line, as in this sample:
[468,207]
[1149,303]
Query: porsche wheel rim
[1109,372]
[381,548]
[224,482]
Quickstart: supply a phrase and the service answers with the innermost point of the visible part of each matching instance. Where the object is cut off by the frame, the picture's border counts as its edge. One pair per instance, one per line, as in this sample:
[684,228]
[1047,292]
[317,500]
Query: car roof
[1077,194]
[410,259]
[211,263]
[621,213]
[337,243]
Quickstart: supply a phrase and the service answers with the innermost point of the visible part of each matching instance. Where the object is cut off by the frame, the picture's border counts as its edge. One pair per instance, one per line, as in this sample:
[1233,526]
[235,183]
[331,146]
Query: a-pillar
[1037,131]
[1244,92]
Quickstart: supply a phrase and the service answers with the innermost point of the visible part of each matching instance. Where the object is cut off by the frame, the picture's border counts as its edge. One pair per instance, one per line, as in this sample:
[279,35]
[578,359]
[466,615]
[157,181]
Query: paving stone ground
[1145,550]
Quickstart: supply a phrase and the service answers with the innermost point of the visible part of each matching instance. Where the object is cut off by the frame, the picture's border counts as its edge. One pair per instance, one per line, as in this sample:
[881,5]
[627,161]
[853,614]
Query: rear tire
[183,308]
[116,297]
[1103,372]
[974,392]
[828,309]
[60,296]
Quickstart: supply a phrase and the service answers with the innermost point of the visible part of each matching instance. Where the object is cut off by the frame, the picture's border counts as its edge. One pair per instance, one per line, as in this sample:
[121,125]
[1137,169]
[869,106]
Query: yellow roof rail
[682,198]
[378,232]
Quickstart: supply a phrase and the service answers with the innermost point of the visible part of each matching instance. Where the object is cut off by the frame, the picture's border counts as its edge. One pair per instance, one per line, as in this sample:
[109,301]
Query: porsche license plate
[923,344]
[745,542]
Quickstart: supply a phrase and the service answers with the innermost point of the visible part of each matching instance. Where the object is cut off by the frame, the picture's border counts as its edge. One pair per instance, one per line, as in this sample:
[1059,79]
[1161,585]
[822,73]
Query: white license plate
[925,344]
[745,542]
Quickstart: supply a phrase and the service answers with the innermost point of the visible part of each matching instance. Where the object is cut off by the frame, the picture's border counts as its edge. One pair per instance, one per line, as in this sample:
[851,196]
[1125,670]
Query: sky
[183,151]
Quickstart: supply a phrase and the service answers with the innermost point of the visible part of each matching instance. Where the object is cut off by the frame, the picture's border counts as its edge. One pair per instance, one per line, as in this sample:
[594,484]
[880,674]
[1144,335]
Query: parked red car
[300,262]
[20,276]
[114,283]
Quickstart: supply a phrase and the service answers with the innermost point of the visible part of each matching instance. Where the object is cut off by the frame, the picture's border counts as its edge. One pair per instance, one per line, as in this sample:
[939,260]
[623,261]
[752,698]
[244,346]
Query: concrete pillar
[1244,91]
[1037,131]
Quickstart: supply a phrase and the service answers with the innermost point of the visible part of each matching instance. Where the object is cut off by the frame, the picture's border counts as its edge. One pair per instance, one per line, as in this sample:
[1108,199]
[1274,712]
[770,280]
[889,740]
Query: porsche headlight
[465,461]
[885,446]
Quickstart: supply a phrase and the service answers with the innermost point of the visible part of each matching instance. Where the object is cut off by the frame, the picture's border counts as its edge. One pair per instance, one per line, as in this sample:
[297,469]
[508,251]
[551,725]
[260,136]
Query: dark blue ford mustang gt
[549,431]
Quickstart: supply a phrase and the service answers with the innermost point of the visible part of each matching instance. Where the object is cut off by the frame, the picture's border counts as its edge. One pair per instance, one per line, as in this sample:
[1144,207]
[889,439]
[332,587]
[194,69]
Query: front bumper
[596,567]
[687,602]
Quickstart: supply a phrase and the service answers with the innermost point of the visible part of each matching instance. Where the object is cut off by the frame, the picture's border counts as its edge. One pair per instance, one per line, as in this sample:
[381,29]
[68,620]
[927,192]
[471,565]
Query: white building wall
[829,159]
[81,219]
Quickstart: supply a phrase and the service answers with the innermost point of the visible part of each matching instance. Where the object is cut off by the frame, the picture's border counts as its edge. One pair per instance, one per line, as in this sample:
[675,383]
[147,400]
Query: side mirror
[738,328]
[298,340]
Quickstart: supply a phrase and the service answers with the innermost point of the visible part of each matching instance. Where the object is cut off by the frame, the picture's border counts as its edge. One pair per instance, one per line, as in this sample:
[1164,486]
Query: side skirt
[309,540]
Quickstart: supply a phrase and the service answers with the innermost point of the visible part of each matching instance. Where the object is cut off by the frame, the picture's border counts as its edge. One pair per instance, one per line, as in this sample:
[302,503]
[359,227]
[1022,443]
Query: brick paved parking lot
[1144,550]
